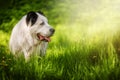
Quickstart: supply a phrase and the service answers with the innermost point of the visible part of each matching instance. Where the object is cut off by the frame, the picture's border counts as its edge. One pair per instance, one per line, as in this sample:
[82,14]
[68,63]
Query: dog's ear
[31,17]
[40,12]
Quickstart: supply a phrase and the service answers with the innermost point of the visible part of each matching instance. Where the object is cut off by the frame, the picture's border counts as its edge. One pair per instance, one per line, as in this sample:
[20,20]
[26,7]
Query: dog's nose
[52,30]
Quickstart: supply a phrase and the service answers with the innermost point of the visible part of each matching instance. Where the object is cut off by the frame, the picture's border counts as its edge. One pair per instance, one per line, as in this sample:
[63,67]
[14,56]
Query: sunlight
[96,15]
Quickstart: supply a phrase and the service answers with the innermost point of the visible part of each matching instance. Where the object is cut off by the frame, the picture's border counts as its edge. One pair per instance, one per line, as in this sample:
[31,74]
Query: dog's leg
[26,55]
[43,47]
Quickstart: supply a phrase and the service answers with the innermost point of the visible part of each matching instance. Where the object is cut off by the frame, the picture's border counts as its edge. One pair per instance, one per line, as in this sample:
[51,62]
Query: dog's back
[18,36]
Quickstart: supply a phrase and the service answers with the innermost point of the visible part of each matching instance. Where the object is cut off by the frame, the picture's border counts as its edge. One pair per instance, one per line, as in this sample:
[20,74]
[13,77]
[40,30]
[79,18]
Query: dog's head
[38,26]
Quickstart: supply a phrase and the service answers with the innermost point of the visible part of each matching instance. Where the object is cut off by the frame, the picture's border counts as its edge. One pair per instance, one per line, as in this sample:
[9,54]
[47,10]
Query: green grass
[73,54]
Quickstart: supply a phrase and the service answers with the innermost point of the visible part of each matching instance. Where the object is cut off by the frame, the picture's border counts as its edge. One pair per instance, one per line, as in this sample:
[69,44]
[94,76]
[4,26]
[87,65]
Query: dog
[31,35]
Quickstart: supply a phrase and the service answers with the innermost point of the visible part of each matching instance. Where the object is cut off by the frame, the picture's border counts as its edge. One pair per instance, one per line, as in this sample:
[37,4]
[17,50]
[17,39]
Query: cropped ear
[31,17]
[40,12]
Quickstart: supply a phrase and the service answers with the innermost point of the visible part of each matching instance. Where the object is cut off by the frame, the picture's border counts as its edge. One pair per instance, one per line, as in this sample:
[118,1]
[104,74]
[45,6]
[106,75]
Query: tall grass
[73,54]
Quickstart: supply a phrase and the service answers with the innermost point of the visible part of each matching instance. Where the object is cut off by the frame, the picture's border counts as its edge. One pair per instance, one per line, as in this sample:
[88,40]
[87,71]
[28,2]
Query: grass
[73,54]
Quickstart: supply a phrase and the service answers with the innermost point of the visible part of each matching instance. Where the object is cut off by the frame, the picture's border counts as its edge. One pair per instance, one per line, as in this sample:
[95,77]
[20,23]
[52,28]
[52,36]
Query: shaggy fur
[31,35]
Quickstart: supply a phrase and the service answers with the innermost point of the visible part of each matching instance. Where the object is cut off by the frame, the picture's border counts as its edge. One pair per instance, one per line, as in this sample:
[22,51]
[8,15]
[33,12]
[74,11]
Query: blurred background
[87,36]
[92,16]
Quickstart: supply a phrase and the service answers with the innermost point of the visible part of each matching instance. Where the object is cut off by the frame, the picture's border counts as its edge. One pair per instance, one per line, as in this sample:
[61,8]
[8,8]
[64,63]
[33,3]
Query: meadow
[70,56]
[85,46]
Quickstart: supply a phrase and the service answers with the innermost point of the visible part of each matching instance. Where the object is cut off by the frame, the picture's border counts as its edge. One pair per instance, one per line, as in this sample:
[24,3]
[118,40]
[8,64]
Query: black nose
[52,30]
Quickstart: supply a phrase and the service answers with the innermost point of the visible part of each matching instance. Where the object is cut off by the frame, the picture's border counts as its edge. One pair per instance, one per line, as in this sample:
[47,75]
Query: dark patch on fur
[40,12]
[31,16]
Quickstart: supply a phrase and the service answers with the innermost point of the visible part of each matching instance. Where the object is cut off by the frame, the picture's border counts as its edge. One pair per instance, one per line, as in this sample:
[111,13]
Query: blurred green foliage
[54,10]
[86,44]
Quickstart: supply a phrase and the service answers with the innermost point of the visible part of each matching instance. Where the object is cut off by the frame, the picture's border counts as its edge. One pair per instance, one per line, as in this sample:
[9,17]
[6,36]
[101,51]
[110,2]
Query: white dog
[31,35]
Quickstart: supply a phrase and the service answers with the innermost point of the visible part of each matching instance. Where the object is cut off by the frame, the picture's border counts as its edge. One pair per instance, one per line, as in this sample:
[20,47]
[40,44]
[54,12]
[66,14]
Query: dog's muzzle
[46,38]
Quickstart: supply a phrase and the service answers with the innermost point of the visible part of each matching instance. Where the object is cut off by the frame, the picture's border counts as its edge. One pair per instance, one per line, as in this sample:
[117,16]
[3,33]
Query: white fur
[24,40]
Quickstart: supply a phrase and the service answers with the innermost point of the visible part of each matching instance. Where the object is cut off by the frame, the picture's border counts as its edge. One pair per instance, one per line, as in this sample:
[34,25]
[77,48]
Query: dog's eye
[42,23]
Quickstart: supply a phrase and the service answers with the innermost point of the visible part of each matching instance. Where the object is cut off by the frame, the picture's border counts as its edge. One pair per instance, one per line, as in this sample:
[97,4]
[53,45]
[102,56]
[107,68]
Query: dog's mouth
[43,38]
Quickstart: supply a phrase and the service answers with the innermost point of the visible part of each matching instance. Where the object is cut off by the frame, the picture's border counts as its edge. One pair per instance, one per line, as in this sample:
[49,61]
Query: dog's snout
[52,30]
